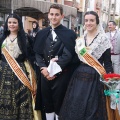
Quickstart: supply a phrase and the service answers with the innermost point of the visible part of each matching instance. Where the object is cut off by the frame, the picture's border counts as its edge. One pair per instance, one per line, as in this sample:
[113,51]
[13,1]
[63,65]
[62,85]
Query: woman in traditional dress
[85,99]
[15,97]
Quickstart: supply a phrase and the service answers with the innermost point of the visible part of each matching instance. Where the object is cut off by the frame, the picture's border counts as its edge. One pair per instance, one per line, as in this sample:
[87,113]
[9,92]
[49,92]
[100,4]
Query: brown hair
[93,13]
[57,6]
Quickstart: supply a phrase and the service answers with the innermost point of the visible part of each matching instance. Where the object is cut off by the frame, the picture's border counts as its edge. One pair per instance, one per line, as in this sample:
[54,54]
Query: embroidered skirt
[85,99]
[15,98]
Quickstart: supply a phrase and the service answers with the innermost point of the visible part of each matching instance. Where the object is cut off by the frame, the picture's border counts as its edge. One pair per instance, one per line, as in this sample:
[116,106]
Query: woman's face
[13,25]
[90,22]
[34,25]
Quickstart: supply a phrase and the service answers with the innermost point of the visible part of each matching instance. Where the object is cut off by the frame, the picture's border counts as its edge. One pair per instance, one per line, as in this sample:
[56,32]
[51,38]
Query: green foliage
[118,22]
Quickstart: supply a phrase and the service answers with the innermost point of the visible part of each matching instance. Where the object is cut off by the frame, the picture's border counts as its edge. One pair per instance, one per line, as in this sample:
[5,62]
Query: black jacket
[45,48]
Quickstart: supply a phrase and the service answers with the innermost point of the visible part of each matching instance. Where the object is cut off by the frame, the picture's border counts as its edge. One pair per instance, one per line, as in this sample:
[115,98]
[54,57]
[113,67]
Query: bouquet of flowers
[112,81]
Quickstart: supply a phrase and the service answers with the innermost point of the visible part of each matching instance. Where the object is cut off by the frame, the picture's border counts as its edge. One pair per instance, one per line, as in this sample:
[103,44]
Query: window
[55,1]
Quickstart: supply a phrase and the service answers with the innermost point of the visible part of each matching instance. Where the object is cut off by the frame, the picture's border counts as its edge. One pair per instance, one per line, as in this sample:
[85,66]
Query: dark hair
[114,23]
[35,22]
[21,33]
[57,6]
[95,14]
[7,32]
[37,25]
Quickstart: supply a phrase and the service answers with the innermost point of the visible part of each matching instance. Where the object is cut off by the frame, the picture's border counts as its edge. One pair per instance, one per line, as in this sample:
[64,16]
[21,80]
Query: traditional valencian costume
[17,92]
[17,78]
[47,47]
[15,97]
[85,99]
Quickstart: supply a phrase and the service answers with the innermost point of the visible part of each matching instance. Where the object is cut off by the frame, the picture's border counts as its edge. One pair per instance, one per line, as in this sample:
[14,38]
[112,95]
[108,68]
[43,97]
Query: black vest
[52,48]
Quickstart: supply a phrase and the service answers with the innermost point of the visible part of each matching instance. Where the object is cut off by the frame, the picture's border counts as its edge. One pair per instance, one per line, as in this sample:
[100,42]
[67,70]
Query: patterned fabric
[16,68]
[88,58]
[99,45]
[113,39]
[85,99]
[15,98]
[12,47]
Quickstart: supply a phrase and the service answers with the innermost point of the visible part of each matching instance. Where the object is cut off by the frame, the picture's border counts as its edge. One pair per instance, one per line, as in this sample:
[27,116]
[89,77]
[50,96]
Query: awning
[43,6]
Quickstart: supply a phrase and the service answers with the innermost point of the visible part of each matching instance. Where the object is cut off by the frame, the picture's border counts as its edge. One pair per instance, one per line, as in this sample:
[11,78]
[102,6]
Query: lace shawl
[99,45]
[12,47]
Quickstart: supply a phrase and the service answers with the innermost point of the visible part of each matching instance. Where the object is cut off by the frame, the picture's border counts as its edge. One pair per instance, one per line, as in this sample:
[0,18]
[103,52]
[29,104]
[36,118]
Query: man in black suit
[51,42]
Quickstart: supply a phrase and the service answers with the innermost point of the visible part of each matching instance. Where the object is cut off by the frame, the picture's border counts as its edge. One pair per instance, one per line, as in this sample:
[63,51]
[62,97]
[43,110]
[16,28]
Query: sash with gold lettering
[17,69]
[31,84]
[88,58]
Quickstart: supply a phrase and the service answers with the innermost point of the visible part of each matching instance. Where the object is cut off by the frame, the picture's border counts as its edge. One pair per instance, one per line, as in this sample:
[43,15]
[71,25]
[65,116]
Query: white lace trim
[100,44]
[12,47]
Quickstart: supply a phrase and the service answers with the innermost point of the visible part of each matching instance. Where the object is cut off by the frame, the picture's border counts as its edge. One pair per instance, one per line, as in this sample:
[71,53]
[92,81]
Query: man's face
[111,26]
[55,17]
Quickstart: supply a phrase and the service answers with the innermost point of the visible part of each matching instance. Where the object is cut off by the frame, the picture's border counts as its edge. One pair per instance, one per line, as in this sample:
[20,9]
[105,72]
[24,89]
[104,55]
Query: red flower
[111,76]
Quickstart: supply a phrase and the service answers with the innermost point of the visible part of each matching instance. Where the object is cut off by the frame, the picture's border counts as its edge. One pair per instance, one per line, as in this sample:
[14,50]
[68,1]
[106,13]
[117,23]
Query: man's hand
[44,71]
[50,78]
[54,59]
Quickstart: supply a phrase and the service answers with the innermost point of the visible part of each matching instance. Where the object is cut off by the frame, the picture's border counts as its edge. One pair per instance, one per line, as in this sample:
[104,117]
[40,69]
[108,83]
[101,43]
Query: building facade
[36,10]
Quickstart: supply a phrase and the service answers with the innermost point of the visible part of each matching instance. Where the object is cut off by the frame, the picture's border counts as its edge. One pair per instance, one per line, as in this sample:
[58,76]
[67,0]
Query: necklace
[12,40]
[88,41]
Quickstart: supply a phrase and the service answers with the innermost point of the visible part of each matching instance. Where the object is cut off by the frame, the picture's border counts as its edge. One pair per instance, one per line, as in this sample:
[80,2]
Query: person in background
[114,37]
[15,95]
[35,30]
[1,30]
[85,99]
[54,48]
[31,36]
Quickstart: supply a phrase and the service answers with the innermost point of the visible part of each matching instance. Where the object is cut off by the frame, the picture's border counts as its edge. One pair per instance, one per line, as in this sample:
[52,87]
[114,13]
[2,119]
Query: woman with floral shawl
[85,99]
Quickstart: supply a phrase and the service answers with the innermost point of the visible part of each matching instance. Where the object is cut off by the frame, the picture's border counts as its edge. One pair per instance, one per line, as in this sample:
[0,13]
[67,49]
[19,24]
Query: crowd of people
[52,67]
